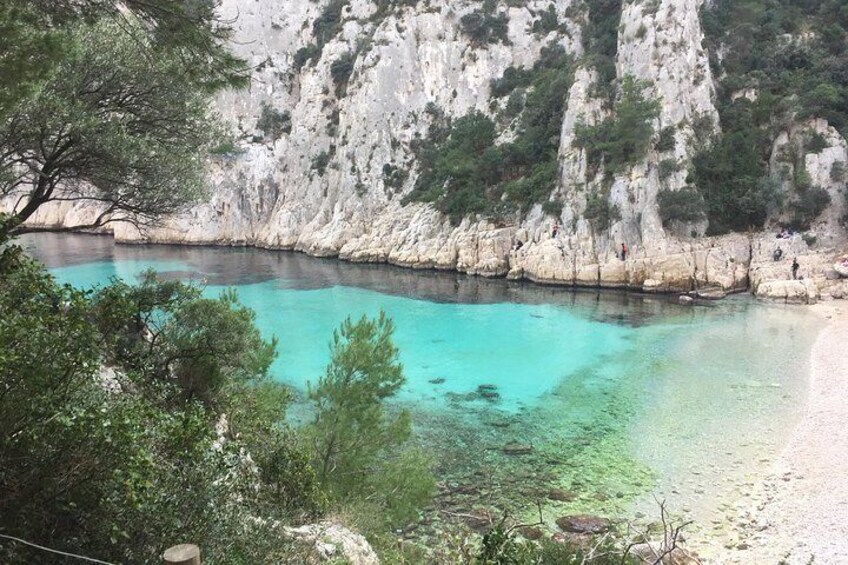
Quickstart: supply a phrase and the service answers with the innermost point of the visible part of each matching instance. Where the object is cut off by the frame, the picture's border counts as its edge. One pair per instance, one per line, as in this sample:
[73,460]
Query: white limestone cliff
[415,58]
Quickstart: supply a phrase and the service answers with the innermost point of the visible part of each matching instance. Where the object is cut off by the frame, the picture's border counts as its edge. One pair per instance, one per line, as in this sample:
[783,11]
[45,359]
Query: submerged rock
[584,524]
[437,381]
[531,532]
[488,392]
[561,495]
[517,449]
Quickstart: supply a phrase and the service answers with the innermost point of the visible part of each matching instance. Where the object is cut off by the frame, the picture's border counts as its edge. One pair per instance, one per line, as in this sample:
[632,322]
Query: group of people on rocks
[778,255]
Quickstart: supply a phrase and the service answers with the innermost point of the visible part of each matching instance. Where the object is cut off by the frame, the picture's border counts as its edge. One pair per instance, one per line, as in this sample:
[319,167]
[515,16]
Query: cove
[621,397]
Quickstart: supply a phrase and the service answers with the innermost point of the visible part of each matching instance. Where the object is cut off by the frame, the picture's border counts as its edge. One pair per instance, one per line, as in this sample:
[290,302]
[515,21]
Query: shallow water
[622,396]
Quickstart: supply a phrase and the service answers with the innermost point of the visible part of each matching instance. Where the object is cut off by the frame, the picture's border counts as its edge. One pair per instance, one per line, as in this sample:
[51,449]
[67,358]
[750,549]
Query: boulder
[531,532]
[584,524]
[517,449]
[333,542]
[561,495]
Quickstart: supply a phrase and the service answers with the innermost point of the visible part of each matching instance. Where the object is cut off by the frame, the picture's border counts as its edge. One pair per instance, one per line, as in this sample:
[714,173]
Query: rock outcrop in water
[326,184]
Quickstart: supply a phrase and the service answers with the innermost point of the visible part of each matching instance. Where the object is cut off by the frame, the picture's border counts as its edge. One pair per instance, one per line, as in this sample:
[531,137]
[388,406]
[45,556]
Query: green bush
[684,205]
[809,205]
[310,53]
[122,471]
[394,177]
[463,171]
[667,168]
[484,26]
[320,162]
[816,143]
[547,22]
[362,452]
[732,175]
[600,42]
[837,171]
[340,71]
[325,27]
[623,139]
[794,79]
[666,139]
[600,212]
[272,122]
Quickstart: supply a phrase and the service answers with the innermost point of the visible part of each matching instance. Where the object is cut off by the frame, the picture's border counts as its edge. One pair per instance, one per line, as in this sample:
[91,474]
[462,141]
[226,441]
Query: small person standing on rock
[555,230]
[795,268]
[624,251]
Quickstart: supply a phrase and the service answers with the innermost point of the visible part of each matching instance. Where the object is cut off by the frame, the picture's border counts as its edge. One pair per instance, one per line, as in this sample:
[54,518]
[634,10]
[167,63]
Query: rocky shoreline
[700,268]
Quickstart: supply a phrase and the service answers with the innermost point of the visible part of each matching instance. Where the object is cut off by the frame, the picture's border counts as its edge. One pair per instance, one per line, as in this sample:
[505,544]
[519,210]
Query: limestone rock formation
[326,184]
[332,542]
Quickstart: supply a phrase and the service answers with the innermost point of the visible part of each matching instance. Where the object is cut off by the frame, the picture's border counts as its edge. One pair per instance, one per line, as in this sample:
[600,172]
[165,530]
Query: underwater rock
[437,381]
[561,495]
[480,520]
[584,524]
[488,392]
[531,532]
[711,294]
[518,449]
[583,541]
[499,423]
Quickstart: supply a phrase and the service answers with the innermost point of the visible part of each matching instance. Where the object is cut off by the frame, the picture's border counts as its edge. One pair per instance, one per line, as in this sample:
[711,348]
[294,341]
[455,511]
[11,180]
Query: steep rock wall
[412,59]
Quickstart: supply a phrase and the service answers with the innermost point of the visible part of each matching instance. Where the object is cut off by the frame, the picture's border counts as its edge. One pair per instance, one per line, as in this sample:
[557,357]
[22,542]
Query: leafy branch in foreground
[112,127]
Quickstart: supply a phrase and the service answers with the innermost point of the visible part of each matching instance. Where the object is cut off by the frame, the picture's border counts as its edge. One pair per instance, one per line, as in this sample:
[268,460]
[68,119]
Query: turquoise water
[622,397]
[523,350]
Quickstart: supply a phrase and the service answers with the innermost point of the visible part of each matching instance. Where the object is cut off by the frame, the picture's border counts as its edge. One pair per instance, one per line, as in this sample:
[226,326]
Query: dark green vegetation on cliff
[794,57]
[464,170]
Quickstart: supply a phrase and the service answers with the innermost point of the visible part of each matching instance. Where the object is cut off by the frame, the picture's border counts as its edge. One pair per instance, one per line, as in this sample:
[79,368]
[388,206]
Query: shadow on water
[224,266]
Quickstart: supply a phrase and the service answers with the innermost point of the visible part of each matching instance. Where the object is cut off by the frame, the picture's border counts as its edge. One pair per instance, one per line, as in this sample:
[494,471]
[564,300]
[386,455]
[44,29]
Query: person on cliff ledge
[624,251]
[555,230]
[795,268]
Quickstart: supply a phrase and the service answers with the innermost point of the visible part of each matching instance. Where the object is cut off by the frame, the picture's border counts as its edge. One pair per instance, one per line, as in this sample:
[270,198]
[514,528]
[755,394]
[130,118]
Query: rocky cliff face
[324,186]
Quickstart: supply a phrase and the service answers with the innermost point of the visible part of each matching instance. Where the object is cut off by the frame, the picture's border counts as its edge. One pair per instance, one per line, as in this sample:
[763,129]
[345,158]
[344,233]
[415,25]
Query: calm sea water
[622,396]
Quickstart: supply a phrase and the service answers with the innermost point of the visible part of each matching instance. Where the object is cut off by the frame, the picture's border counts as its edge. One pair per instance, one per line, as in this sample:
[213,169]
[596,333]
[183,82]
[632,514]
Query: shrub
[795,80]
[320,162]
[485,26]
[226,147]
[394,177]
[310,53]
[547,22]
[340,71]
[272,122]
[837,171]
[816,143]
[666,139]
[668,167]
[623,139]
[97,472]
[553,207]
[809,205]
[600,212]
[464,172]
[362,452]
[684,205]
